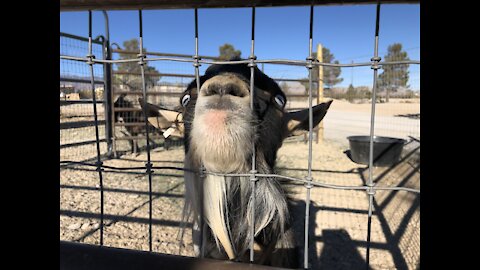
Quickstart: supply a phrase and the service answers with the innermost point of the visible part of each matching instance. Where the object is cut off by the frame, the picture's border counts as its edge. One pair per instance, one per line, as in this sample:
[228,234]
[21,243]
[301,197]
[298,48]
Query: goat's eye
[280,100]
[185,100]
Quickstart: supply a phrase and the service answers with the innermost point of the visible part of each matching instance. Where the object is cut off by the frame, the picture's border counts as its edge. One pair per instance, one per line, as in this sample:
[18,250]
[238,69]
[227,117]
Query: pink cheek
[215,120]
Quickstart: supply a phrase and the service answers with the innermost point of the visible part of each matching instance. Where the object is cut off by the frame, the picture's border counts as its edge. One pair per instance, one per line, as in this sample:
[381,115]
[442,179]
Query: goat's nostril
[224,89]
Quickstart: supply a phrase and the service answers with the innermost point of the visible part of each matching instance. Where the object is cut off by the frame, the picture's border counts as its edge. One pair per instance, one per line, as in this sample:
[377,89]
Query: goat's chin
[221,141]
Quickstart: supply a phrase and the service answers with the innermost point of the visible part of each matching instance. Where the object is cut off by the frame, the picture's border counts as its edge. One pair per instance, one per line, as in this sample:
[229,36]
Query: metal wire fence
[349,116]
[77,128]
[308,181]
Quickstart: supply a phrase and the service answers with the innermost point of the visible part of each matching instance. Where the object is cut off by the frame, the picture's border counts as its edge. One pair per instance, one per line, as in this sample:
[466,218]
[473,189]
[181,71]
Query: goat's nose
[224,89]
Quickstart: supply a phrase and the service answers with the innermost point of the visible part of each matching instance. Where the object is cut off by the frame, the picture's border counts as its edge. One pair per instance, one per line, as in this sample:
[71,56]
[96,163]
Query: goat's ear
[164,119]
[151,109]
[297,122]
[168,120]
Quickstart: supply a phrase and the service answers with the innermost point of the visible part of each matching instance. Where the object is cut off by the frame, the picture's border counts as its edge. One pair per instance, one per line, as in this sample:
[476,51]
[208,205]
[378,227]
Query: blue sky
[280,32]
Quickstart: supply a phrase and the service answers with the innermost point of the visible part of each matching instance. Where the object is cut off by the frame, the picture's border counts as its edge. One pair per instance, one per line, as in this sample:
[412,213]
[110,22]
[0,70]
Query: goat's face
[224,124]
[221,126]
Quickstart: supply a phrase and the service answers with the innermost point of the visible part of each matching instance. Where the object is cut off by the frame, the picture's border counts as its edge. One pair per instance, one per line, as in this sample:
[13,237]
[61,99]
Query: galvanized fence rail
[370,187]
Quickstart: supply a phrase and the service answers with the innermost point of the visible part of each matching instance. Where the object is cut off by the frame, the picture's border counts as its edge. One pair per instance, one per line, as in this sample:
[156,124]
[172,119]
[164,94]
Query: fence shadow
[409,115]
[125,191]
[112,219]
[339,250]
[393,237]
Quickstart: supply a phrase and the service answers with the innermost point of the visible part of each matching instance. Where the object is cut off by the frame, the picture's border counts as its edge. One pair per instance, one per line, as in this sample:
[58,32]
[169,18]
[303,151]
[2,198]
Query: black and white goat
[220,131]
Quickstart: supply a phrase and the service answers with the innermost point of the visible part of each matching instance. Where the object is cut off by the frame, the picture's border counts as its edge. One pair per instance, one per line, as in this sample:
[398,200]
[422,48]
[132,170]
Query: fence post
[108,98]
[320,91]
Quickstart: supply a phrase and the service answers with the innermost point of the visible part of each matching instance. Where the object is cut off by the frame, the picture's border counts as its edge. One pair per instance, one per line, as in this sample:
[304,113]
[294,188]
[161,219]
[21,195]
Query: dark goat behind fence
[132,120]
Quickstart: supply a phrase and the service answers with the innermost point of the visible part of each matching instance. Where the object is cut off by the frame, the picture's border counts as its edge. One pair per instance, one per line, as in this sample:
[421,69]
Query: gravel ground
[338,223]
[338,218]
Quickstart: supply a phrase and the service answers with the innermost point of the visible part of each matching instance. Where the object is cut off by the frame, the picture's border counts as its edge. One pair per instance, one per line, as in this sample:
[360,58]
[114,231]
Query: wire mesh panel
[346,212]
[77,128]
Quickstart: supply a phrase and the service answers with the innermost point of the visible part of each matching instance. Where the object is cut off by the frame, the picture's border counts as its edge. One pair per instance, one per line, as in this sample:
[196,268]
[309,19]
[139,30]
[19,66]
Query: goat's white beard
[215,205]
[216,211]
[225,149]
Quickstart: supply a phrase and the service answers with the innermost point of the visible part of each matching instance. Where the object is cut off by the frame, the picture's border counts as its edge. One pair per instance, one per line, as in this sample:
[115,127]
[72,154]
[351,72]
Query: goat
[220,130]
[133,117]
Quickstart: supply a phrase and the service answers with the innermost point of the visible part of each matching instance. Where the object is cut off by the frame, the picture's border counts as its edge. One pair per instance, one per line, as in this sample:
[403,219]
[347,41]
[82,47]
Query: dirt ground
[394,107]
[338,223]
[338,218]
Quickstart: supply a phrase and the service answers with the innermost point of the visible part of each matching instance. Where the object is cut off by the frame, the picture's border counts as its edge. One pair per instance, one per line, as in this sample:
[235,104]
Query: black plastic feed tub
[386,150]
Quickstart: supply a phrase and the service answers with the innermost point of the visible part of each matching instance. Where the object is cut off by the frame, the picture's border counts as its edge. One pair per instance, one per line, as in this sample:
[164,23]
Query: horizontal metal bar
[174,94]
[82,59]
[165,54]
[269,61]
[80,124]
[191,76]
[151,93]
[125,138]
[68,162]
[118,72]
[127,109]
[130,124]
[80,143]
[263,176]
[70,5]
[290,80]
[63,79]
[406,62]
[299,95]
[93,257]
[318,184]
[289,178]
[62,34]
[79,101]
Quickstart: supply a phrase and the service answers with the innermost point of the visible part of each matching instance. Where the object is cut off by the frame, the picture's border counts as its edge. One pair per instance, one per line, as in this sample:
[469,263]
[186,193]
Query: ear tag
[167,133]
